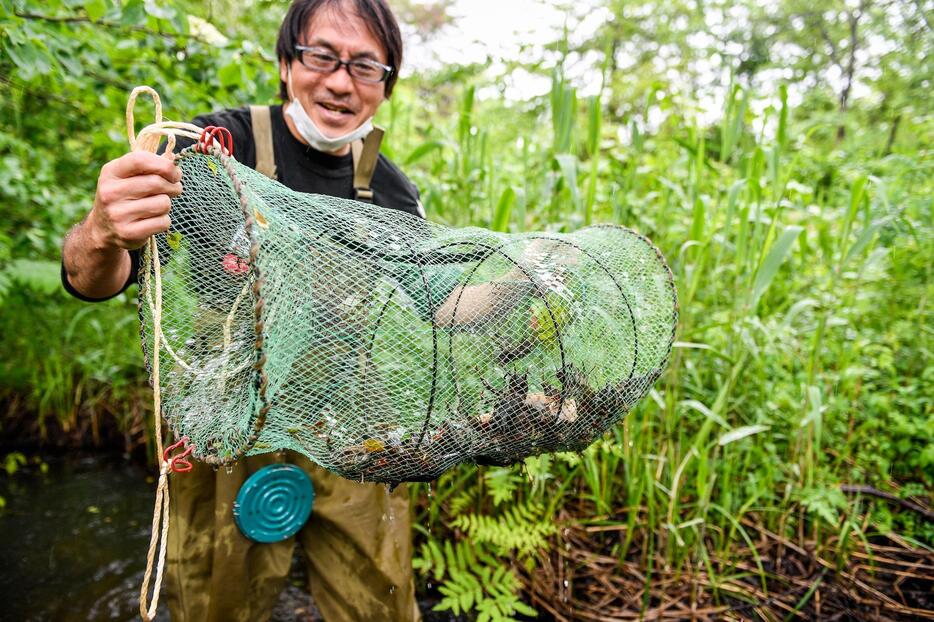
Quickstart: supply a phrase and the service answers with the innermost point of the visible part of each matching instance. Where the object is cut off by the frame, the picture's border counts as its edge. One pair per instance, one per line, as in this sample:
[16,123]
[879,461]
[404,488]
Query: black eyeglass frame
[338,63]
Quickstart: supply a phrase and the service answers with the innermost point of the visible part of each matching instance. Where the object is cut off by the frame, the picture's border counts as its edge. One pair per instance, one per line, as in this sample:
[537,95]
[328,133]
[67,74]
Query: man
[338,61]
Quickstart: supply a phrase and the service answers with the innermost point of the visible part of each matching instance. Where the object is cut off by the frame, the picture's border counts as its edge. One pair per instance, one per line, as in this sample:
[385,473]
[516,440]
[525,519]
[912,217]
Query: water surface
[73,540]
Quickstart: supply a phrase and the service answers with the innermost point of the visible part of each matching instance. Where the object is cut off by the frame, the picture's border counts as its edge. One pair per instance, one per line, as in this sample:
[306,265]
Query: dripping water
[564,561]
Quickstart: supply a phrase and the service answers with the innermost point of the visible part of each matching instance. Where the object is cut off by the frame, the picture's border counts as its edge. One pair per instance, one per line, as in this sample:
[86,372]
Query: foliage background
[779,153]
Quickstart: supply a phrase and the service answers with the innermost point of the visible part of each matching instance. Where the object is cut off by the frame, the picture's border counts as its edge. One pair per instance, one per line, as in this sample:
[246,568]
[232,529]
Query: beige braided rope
[148,140]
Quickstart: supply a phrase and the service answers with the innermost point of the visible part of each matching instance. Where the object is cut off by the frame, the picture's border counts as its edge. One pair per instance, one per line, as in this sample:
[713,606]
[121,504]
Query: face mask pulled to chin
[313,135]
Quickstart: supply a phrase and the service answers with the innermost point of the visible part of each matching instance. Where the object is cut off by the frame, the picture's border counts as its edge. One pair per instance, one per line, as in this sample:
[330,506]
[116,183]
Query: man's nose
[339,81]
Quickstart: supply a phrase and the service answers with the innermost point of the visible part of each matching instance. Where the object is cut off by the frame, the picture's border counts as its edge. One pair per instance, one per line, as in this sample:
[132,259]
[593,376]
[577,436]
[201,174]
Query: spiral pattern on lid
[274,503]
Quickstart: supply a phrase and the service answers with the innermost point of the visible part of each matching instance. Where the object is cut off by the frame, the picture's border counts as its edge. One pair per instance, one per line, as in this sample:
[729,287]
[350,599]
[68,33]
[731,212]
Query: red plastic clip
[223,136]
[178,464]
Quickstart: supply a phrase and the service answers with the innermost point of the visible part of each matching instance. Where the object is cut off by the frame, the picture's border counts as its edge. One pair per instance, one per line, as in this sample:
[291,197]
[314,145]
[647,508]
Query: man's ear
[284,72]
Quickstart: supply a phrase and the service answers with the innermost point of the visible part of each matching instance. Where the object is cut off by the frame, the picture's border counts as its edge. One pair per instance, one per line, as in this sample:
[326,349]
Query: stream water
[73,542]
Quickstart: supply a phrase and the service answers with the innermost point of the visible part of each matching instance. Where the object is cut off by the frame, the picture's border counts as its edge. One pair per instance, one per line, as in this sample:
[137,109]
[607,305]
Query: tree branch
[853,19]
[834,54]
[881,494]
[84,19]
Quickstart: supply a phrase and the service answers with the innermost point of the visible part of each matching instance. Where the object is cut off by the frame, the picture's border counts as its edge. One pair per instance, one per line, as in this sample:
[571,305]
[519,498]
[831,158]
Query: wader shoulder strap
[365,155]
[262,137]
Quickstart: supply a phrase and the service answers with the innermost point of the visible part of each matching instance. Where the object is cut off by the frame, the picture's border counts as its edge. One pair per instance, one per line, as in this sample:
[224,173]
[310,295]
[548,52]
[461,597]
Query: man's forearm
[95,270]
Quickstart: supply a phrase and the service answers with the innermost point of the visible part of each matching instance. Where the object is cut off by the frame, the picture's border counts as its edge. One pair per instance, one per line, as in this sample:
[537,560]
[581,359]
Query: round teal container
[274,503]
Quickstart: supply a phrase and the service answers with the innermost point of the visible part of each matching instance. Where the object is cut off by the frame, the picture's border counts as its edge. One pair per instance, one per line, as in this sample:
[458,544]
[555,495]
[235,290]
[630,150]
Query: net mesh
[385,347]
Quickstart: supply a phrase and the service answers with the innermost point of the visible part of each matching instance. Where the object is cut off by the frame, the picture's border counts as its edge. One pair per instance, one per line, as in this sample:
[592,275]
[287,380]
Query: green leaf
[698,219]
[782,134]
[773,260]
[594,119]
[702,408]
[30,58]
[524,609]
[504,210]
[424,149]
[567,163]
[37,274]
[174,240]
[133,14]
[95,9]
[179,22]
[159,10]
[438,560]
[864,238]
[738,433]
[230,74]
[14,461]
[815,416]
[449,556]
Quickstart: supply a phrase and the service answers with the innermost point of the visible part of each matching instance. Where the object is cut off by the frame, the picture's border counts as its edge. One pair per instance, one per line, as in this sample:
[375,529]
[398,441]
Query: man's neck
[291,125]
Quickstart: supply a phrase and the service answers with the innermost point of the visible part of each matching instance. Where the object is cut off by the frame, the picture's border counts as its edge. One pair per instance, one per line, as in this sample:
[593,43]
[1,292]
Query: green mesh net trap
[385,347]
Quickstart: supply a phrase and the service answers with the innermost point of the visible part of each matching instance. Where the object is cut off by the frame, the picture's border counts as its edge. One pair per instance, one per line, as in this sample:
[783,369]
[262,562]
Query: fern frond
[502,484]
[463,500]
[520,528]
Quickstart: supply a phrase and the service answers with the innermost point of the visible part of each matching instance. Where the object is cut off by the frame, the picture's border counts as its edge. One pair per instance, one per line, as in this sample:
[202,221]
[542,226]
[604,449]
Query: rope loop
[149,138]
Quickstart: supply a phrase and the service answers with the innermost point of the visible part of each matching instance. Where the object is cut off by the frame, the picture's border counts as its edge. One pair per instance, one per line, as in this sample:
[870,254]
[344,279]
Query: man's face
[337,103]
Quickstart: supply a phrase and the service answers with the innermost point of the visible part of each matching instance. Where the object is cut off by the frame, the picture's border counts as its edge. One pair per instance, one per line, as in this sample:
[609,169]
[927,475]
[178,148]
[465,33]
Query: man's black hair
[376,14]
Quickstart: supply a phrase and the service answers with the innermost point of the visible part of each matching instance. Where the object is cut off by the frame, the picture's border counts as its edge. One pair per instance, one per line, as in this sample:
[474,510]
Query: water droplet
[392,589]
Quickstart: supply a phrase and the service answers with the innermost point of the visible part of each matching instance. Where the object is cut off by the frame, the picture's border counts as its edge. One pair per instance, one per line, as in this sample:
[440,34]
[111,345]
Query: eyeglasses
[324,61]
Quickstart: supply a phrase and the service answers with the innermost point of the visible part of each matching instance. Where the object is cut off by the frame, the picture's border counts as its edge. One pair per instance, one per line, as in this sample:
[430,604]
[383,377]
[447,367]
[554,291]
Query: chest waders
[275,502]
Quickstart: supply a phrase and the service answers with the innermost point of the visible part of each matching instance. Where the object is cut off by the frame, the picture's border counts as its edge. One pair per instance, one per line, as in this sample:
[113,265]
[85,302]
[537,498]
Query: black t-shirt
[298,167]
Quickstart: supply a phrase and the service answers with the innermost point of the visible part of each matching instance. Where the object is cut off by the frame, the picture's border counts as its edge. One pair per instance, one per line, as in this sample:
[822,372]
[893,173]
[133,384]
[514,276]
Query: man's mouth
[335,108]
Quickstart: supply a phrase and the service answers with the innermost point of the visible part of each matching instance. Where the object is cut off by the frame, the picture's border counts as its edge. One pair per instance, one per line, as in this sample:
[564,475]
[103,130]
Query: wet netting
[385,347]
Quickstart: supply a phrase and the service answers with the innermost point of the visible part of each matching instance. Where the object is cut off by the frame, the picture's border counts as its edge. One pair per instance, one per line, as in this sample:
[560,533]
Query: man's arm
[131,203]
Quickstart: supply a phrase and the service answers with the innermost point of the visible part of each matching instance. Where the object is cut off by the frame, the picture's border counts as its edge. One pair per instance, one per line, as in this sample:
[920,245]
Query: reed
[788,362]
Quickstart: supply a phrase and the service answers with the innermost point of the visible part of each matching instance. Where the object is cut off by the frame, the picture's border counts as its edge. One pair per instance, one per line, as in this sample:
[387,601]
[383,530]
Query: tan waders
[357,543]
[357,546]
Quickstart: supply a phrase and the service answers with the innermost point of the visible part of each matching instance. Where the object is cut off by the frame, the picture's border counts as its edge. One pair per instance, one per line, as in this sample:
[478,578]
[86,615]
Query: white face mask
[314,136]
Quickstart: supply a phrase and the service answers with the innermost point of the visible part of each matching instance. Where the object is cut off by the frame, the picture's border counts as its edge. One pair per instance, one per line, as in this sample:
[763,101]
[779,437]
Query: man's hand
[134,194]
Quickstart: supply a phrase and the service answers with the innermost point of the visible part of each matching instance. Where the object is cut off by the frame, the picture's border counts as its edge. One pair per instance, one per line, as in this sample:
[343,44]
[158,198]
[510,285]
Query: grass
[73,372]
[803,355]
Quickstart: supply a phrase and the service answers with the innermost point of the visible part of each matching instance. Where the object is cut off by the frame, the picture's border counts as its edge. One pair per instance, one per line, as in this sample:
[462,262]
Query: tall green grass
[803,358]
[71,371]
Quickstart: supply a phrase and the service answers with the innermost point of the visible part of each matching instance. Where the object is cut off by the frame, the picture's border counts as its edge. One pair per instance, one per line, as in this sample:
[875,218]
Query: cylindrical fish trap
[385,347]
